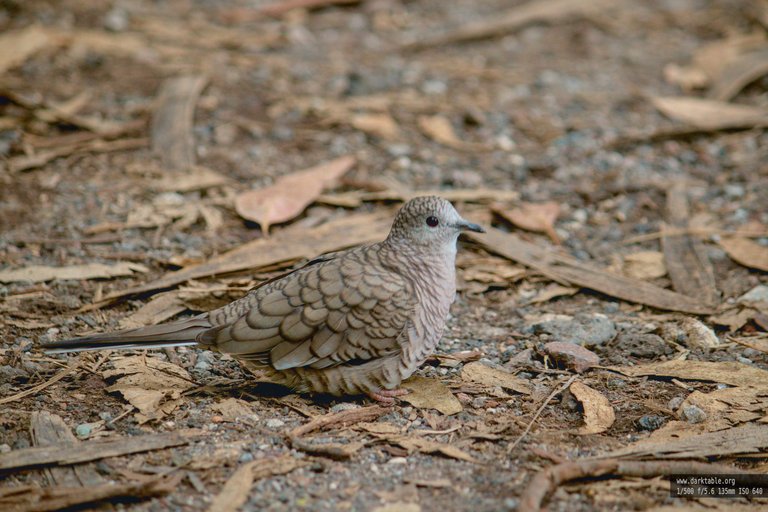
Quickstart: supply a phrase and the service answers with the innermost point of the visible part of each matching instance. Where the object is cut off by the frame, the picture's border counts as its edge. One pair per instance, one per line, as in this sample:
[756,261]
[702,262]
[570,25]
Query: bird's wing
[340,310]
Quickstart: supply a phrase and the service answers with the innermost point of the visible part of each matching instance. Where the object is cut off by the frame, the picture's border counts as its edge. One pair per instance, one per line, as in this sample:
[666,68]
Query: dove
[352,322]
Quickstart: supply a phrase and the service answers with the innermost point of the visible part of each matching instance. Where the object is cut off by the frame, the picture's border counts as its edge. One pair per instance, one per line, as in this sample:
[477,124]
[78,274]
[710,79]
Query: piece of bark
[284,246]
[566,269]
[684,256]
[171,128]
[546,481]
[235,492]
[515,18]
[338,418]
[35,499]
[745,439]
[738,74]
[27,458]
[50,430]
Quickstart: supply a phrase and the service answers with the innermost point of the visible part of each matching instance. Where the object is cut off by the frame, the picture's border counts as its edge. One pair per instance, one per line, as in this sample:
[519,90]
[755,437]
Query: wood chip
[598,413]
[172,121]
[430,394]
[50,430]
[235,492]
[24,44]
[739,73]
[684,256]
[567,269]
[746,252]
[711,115]
[36,499]
[379,125]
[741,440]
[349,416]
[731,373]
[515,18]
[40,273]
[644,265]
[38,457]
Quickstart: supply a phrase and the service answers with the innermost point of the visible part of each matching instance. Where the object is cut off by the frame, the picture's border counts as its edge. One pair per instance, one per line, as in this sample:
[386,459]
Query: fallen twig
[339,418]
[36,389]
[539,411]
[545,482]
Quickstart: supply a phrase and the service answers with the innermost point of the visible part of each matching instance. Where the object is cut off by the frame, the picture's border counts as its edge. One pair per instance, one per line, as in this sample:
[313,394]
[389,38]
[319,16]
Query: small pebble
[274,423]
[4,448]
[651,422]
[398,460]
[694,414]
[246,457]
[344,406]
[83,430]
[675,403]
[572,356]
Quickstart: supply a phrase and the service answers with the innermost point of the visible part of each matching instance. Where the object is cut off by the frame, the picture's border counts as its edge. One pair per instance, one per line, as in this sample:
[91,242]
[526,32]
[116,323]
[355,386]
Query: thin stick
[538,413]
[36,389]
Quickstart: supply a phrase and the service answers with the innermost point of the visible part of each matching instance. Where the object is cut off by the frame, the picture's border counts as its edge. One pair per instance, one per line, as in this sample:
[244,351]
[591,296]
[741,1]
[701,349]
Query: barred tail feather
[175,334]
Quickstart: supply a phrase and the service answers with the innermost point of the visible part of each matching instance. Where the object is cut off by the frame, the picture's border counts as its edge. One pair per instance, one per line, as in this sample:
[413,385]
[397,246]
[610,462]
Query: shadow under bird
[351,322]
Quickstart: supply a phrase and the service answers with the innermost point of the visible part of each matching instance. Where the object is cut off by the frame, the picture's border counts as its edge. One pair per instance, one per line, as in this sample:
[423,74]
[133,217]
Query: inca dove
[356,321]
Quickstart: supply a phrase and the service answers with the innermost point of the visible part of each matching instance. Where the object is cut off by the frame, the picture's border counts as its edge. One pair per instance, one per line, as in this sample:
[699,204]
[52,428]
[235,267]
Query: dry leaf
[644,265]
[290,194]
[746,252]
[159,309]
[431,394]
[38,273]
[439,129]
[731,373]
[551,291]
[380,125]
[699,335]
[152,386]
[426,446]
[734,318]
[234,409]
[19,45]
[537,217]
[711,114]
[479,373]
[598,413]
[194,178]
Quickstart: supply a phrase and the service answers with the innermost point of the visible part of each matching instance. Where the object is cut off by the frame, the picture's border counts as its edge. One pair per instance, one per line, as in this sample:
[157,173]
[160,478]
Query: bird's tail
[174,334]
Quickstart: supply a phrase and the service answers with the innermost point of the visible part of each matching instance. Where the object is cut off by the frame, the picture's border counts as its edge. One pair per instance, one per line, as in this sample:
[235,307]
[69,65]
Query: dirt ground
[553,124]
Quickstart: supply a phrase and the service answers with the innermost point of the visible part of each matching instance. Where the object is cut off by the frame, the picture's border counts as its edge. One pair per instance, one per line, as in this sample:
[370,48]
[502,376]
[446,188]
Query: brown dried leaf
[644,265]
[380,125]
[290,194]
[598,413]
[21,44]
[159,309]
[746,252]
[734,318]
[710,114]
[439,129]
[479,373]
[537,217]
[426,446]
[234,409]
[431,394]
[151,385]
[551,291]
[38,273]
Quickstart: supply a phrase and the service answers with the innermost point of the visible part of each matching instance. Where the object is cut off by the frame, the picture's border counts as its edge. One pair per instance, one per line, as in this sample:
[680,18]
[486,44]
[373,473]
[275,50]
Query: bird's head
[430,221]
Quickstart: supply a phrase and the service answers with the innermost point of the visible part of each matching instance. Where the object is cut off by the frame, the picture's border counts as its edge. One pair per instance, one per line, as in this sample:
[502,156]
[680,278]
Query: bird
[352,322]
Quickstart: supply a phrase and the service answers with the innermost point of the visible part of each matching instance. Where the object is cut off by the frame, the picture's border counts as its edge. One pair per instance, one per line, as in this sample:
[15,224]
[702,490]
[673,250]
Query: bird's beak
[464,225]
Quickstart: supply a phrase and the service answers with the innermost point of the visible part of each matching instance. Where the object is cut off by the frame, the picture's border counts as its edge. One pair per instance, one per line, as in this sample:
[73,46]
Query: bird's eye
[432,221]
